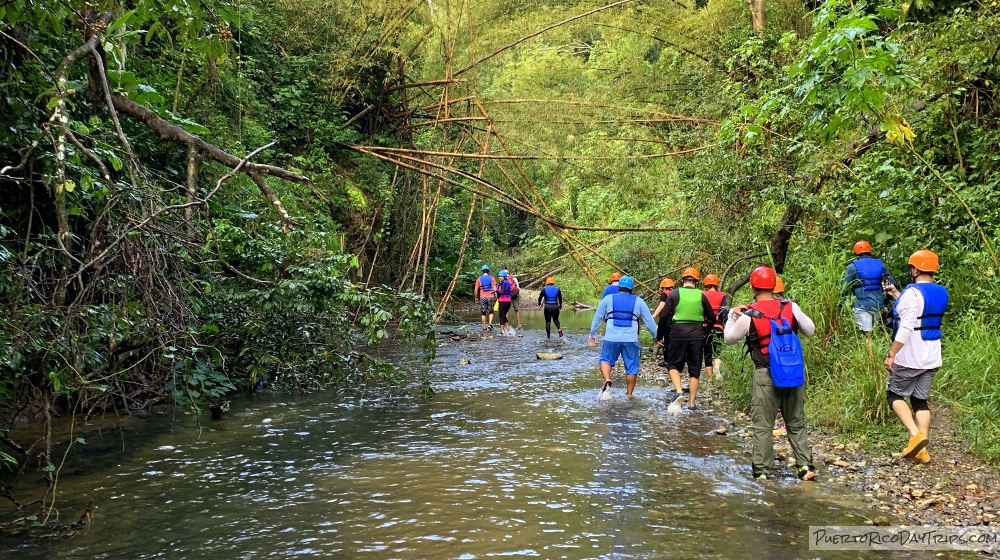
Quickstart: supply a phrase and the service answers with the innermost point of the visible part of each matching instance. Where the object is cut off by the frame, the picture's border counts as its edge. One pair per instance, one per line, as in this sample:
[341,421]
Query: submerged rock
[549,356]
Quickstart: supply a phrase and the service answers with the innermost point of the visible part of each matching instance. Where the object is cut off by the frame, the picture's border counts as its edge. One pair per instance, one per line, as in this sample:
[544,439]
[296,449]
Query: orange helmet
[668,283]
[550,280]
[862,247]
[924,261]
[763,278]
[690,272]
[779,285]
[712,280]
[615,277]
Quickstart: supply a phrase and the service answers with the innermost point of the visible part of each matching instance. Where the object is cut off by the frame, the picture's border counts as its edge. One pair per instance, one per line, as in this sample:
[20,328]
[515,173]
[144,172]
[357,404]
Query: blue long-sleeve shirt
[613,333]
[872,300]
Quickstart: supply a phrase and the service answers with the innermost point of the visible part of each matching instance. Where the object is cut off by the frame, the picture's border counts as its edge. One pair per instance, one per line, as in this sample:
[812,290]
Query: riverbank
[956,489]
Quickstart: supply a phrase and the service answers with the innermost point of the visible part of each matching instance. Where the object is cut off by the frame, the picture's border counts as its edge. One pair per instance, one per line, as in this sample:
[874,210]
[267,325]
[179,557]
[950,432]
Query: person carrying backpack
[504,290]
[515,296]
[915,355]
[552,296]
[771,327]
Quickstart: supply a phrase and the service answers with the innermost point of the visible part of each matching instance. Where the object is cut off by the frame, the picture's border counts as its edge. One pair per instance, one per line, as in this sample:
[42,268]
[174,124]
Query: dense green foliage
[116,296]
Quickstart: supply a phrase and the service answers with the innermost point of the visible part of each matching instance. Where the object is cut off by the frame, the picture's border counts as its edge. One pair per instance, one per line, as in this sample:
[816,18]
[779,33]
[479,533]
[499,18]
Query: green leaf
[48,468]
[119,22]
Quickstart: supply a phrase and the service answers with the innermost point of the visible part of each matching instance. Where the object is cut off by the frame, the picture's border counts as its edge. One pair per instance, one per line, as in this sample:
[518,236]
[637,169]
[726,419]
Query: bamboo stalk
[530,158]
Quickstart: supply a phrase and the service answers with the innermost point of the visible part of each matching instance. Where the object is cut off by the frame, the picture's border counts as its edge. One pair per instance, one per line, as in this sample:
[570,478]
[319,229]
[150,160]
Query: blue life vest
[487,282]
[622,312]
[551,295]
[870,273]
[503,288]
[935,302]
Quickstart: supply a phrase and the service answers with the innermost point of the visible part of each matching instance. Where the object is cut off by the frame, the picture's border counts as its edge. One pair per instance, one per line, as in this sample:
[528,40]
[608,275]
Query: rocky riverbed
[956,489]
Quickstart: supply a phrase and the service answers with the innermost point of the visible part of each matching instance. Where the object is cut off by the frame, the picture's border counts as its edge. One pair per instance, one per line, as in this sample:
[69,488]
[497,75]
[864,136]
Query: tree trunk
[757,16]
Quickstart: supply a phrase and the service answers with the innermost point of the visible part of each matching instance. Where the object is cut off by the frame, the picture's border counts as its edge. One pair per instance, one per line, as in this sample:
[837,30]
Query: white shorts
[865,320]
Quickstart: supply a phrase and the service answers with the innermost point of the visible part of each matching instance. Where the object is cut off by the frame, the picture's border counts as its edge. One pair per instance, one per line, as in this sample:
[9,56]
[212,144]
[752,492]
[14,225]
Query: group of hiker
[501,297]
[690,324]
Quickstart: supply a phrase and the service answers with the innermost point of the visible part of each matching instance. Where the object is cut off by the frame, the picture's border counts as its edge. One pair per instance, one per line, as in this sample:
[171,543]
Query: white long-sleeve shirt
[736,330]
[916,352]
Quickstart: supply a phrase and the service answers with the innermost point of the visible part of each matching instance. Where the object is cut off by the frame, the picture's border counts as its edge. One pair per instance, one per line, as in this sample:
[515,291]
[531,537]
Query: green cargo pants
[766,401]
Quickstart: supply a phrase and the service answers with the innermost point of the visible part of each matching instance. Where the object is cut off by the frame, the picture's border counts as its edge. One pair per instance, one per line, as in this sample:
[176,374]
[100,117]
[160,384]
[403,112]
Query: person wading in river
[622,312]
[483,292]
[863,278]
[503,301]
[612,287]
[690,313]
[713,341]
[915,355]
[753,322]
[552,296]
[663,322]
[515,296]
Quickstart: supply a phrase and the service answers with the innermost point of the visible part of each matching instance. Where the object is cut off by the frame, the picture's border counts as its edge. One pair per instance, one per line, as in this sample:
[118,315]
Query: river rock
[549,356]
[464,362]
[721,430]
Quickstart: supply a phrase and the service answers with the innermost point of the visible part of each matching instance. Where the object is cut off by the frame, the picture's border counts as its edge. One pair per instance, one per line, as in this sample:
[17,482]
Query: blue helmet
[626,282]
[486,267]
[503,274]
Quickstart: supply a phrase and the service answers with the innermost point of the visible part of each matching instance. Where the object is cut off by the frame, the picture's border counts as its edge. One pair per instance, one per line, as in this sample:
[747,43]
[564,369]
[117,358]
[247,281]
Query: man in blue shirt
[863,278]
[622,311]
[612,287]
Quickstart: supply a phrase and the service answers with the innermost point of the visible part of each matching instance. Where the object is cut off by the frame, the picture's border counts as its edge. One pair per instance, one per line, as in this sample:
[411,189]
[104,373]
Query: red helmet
[763,278]
[615,277]
[862,247]
[711,280]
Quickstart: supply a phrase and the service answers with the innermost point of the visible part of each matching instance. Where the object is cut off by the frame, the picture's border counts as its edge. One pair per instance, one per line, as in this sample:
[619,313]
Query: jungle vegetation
[201,196]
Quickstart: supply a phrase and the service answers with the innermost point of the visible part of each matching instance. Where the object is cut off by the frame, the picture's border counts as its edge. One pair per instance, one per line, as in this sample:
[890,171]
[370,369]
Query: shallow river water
[514,457]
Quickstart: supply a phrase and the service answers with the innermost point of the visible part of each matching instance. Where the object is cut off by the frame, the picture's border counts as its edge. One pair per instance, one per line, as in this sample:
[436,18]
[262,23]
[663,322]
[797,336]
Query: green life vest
[689,309]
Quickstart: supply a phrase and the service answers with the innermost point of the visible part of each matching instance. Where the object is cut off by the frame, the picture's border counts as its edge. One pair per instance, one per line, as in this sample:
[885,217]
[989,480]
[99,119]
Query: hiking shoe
[807,473]
[780,430]
[662,364]
[761,476]
[606,386]
[923,457]
[560,333]
[489,328]
[691,408]
[916,444]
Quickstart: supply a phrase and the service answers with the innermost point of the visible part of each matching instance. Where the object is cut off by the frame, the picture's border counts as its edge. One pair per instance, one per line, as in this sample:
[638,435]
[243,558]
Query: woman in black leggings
[552,296]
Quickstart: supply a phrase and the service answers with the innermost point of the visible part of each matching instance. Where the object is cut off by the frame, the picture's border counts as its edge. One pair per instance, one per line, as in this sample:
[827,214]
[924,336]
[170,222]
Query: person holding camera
[864,278]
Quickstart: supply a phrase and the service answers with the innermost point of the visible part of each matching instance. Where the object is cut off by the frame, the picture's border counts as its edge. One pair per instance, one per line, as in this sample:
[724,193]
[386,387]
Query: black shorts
[686,352]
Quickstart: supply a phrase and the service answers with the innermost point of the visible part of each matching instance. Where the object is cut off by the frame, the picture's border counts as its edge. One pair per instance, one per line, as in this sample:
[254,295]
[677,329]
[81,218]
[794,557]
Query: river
[513,457]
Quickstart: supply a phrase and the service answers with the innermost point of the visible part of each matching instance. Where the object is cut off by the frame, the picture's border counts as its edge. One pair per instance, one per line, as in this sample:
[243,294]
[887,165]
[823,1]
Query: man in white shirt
[915,355]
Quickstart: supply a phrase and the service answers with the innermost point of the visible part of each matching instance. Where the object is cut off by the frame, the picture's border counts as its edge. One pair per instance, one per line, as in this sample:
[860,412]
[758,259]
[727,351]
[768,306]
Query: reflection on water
[513,457]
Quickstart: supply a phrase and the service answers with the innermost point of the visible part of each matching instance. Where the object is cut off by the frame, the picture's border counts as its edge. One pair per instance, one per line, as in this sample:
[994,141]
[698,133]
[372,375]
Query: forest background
[198,198]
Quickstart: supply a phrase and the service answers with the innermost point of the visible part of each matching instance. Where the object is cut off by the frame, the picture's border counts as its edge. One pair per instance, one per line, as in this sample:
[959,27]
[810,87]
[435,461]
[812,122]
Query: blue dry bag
[784,351]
